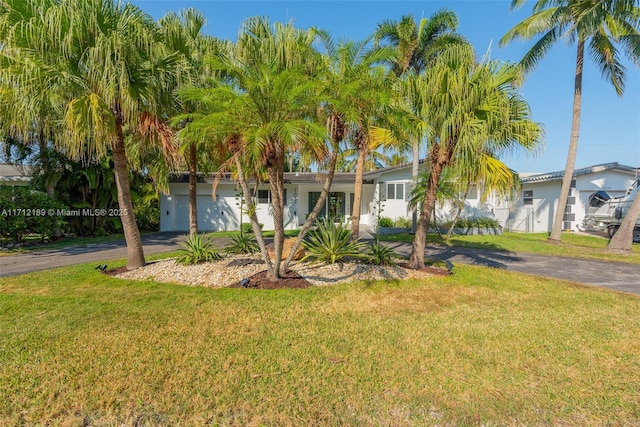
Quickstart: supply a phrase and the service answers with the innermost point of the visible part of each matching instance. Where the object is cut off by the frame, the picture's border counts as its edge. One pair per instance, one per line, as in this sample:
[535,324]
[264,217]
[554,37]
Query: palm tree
[183,34]
[416,45]
[262,110]
[623,239]
[110,71]
[359,90]
[470,109]
[599,25]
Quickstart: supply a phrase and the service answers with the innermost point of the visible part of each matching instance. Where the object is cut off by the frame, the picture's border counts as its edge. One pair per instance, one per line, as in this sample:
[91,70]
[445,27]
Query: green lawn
[573,245]
[482,347]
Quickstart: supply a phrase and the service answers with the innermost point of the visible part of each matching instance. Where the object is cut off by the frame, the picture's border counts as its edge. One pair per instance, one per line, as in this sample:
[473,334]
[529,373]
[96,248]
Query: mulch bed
[436,271]
[291,280]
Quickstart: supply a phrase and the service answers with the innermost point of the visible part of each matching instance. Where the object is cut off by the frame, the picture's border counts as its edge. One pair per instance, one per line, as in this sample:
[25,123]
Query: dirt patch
[291,280]
[436,271]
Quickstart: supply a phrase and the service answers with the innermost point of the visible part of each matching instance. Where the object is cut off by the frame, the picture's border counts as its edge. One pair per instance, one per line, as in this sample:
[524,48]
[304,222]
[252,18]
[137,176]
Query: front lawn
[484,346]
[573,245]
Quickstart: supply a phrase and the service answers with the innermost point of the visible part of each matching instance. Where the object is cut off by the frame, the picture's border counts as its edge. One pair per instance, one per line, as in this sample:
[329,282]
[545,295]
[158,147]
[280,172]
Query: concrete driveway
[612,275]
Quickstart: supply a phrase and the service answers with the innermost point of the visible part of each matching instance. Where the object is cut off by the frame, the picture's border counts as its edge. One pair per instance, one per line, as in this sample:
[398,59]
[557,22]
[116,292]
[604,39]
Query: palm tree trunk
[357,195]
[556,231]
[416,260]
[251,212]
[276,185]
[415,170]
[50,182]
[311,218]
[193,189]
[135,254]
[623,239]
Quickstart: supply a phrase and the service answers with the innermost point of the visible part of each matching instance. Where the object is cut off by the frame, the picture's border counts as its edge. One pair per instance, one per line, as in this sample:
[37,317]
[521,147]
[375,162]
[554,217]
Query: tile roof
[558,175]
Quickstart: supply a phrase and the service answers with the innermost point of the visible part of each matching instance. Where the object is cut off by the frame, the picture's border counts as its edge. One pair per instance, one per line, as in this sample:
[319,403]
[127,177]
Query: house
[392,186]
[536,207]
[15,175]
[388,189]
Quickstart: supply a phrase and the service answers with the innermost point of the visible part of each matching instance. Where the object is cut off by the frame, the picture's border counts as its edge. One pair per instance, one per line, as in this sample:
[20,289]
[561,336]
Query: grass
[482,347]
[573,245]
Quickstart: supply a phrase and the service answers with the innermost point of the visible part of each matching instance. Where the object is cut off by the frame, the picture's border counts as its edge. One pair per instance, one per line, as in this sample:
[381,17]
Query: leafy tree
[607,28]
[470,109]
[111,72]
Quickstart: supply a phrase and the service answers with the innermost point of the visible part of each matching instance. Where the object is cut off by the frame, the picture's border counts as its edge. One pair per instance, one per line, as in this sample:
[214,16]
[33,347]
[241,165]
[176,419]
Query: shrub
[477,222]
[25,211]
[384,221]
[248,228]
[331,243]
[402,222]
[380,254]
[196,249]
[242,243]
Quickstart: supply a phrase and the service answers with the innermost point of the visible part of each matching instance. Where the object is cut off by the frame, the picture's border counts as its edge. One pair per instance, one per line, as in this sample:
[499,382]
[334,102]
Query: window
[264,196]
[528,197]
[395,191]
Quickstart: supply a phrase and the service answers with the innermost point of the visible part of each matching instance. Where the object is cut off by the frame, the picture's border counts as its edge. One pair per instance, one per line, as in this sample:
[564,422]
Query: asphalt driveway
[612,275]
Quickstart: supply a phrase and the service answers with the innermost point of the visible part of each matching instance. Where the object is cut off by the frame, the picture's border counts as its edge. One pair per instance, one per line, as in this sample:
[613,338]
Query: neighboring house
[14,175]
[536,207]
[532,212]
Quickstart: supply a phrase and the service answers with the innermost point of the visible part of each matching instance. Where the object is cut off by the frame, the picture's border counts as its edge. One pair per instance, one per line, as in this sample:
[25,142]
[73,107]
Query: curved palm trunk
[357,195]
[623,239]
[193,189]
[311,218]
[556,231]
[416,260]
[135,254]
[253,218]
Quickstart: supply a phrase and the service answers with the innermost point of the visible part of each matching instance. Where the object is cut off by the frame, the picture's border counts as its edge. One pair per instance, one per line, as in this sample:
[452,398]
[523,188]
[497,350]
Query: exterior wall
[538,217]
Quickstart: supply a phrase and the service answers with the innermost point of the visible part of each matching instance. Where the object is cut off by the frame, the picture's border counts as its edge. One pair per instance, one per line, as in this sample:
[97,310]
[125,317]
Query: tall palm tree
[417,44]
[106,62]
[183,34]
[606,28]
[359,87]
[470,109]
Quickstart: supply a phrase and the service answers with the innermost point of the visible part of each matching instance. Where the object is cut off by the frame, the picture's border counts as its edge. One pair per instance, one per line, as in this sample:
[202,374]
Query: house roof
[554,176]
[289,178]
[14,173]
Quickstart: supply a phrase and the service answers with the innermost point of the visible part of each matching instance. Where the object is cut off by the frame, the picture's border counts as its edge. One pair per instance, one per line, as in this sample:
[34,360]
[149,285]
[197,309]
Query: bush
[331,243]
[380,254]
[384,221]
[477,222]
[402,222]
[24,211]
[248,228]
[242,243]
[196,249]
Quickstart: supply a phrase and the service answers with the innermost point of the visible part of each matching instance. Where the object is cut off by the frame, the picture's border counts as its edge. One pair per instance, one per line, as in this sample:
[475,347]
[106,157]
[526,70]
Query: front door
[334,210]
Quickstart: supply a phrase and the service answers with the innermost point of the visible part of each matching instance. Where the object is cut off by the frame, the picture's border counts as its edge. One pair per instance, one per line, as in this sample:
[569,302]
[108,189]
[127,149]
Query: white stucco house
[15,175]
[536,207]
[532,212]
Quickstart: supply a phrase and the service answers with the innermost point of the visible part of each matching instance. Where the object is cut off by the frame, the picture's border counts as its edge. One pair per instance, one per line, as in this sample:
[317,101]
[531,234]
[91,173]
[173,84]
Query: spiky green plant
[242,243]
[196,249]
[379,254]
[331,242]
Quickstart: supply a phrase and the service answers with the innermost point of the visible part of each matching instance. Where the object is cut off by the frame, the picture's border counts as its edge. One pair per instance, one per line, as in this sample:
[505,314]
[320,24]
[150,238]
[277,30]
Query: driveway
[612,275]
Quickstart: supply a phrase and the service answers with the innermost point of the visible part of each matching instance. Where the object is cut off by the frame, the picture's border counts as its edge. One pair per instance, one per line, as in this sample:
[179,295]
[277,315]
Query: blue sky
[610,126]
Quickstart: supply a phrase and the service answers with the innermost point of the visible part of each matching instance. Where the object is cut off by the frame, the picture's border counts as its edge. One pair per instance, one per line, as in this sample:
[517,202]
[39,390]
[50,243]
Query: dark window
[263,196]
[395,191]
[528,197]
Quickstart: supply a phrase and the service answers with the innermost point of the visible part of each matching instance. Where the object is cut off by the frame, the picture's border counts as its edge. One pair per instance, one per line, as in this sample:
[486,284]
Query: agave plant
[331,242]
[196,249]
[242,243]
[380,254]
